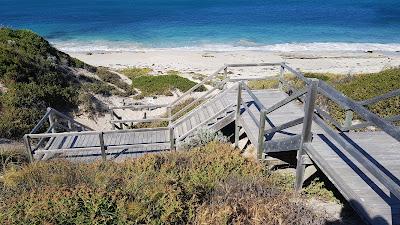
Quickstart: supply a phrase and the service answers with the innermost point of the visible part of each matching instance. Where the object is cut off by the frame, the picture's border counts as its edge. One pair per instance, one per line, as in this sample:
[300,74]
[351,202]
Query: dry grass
[12,157]
[208,185]
[263,84]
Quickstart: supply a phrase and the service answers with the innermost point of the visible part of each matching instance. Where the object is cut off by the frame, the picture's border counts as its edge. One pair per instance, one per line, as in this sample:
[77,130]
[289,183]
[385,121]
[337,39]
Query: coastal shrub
[36,76]
[90,105]
[253,200]
[163,84]
[133,72]
[99,88]
[359,87]
[203,136]
[205,185]
[366,86]
[110,77]
[264,84]
[12,157]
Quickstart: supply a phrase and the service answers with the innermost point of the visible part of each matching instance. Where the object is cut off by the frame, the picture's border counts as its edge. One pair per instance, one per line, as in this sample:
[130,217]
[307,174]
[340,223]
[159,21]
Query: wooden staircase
[363,165]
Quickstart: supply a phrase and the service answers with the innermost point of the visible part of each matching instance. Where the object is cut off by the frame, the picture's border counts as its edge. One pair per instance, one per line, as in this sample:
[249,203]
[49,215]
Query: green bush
[133,72]
[205,185]
[36,76]
[110,77]
[359,87]
[163,84]
[366,86]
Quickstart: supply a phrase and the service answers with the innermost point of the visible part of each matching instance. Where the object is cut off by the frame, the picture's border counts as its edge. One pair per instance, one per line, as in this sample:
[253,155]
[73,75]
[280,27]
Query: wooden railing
[322,119]
[102,146]
[52,122]
[348,123]
[174,117]
[312,113]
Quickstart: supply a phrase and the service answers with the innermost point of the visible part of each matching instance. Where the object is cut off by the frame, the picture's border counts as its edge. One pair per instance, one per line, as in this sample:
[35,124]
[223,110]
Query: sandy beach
[206,62]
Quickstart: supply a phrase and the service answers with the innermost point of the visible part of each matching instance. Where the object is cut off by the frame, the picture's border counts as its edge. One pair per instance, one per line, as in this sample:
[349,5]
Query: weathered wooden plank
[286,144]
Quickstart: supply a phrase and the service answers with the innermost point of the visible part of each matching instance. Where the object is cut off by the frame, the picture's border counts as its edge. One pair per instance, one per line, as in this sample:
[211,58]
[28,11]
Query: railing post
[261,133]
[306,134]
[348,121]
[225,72]
[52,122]
[112,118]
[169,112]
[171,138]
[237,116]
[28,148]
[281,77]
[102,146]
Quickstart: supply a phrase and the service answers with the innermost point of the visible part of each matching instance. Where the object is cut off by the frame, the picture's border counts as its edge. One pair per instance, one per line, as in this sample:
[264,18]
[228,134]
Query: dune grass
[163,84]
[133,72]
[213,184]
[357,87]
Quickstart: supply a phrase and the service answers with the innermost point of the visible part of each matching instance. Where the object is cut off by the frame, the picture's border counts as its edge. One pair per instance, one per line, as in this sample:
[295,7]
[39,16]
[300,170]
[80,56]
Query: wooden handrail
[254,97]
[198,99]
[379,98]
[41,121]
[298,74]
[287,100]
[253,64]
[371,167]
[367,115]
[140,120]
[180,120]
[150,106]
[94,132]
[197,86]
[70,119]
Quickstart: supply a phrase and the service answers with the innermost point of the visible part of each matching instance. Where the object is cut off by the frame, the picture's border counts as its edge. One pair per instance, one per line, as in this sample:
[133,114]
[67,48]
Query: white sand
[207,62]
[189,62]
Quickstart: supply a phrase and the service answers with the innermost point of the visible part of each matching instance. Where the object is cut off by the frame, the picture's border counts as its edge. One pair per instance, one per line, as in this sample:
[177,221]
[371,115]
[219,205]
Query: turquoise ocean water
[108,25]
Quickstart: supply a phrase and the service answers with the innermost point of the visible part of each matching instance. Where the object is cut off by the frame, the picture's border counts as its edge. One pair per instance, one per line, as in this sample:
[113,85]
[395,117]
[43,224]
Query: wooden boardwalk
[364,166]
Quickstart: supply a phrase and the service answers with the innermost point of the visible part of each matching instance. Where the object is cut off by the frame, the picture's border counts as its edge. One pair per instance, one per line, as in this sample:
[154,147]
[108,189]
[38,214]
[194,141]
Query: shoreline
[206,62]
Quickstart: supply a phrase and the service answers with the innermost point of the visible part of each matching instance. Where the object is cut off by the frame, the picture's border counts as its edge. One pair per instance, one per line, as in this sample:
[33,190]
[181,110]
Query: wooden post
[102,146]
[281,77]
[237,116]
[171,138]
[69,125]
[349,118]
[112,118]
[169,112]
[261,133]
[225,72]
[52,122]
[306,134]
[28,148]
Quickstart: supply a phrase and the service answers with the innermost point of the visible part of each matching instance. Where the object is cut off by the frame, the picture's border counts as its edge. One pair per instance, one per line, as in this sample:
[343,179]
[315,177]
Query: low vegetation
[133,72]
[12,157]
[113,78]
[358,87]
[213,184]
[163,84]
[34,75]
[264,84]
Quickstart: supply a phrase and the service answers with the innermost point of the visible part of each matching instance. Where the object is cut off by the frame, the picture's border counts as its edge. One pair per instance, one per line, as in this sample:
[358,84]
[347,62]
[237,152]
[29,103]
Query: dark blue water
[189,23]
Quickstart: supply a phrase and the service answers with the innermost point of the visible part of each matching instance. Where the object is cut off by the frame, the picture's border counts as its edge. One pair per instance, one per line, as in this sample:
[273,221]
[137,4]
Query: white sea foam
[110,46]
